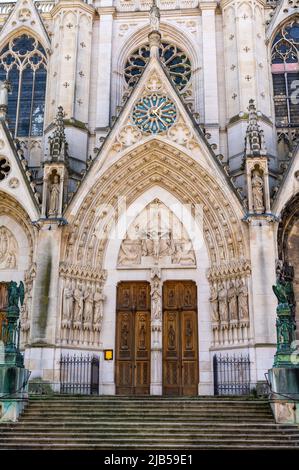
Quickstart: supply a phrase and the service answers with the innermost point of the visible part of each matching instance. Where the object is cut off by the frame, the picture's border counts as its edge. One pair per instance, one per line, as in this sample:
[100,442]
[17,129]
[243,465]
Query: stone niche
[156,237]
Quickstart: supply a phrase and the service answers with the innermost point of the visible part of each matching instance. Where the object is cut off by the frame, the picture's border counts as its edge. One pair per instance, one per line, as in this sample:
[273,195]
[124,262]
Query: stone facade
[177,177]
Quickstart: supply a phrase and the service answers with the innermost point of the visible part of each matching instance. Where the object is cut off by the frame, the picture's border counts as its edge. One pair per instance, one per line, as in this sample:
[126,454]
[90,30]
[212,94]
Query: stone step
[145,440]
[151,423]
[166,433]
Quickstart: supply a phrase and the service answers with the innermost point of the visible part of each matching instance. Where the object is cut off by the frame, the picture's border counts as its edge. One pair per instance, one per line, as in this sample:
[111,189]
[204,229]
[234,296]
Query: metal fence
[231,374]
[79,374]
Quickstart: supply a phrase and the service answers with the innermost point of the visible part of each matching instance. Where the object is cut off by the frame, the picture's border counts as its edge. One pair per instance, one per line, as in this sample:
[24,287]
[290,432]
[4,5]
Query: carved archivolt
[9,250]
[156,163]
[156,237]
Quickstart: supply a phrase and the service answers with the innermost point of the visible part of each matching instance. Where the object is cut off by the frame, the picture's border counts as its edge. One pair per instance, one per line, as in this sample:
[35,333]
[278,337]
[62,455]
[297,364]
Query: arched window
[285,72]
[176,61]
[23,63]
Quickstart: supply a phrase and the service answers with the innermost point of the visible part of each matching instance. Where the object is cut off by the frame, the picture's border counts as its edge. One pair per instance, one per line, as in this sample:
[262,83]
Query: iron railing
[231,374]
[79,374]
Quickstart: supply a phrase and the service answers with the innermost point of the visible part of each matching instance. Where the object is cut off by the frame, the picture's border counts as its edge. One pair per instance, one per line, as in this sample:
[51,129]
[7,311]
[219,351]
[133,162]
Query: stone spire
[57,142]
[154,36]
[254,140]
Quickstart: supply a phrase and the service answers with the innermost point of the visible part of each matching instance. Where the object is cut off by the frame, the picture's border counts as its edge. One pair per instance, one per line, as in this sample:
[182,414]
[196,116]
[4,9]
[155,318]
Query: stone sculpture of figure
[79,297]
[214,304]
[242,300]
[54,196]
[99,298]
[24,315]
[88,309]
[5,88]
[232,302]
[67,307]
[155,17]
[223,308]
[257,183]
[156,295]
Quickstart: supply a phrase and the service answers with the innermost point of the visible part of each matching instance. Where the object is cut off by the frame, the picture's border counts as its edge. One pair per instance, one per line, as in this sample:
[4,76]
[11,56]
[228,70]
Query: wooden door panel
[142,352]
[171,353]
[180,342]
[133,338]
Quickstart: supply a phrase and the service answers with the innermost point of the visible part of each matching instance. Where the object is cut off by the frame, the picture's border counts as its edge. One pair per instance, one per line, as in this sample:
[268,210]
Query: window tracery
[176,61]
[23,62]
[285,73]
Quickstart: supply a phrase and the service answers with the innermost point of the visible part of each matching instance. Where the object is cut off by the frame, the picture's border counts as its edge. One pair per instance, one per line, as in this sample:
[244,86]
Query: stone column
[263,255]
[104,69]
[211,111]
[156,332]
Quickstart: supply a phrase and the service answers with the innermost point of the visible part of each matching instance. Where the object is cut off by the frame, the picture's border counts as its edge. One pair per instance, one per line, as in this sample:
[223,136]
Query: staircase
[147,423]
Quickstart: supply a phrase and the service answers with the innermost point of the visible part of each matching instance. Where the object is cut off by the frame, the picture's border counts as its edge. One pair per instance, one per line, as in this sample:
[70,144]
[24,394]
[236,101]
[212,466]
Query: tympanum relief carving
[8,249]
[156,237]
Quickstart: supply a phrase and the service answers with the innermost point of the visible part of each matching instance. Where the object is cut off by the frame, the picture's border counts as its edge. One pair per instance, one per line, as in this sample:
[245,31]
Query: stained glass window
[176,61]
[285,72]
[23,62]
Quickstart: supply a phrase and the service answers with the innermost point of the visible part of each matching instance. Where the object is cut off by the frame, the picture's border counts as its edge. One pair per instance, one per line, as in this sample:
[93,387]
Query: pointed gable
[15,179]
[26,16]
[179,128]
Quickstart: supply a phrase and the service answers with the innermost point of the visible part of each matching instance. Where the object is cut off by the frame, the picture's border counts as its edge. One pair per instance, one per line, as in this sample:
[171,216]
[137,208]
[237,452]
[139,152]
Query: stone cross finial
[254,140]
[57,142]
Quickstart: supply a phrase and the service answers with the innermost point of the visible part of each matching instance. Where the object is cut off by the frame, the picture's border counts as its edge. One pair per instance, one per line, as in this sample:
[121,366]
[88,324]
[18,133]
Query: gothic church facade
[149,183]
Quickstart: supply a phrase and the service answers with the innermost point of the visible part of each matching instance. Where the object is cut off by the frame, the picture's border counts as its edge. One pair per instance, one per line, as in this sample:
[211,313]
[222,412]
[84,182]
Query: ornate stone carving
[156,237]
[54,196]
[26,308]
[229,303]
[155,17]
[8,249]
[257,183]
[156,294]
[82,305]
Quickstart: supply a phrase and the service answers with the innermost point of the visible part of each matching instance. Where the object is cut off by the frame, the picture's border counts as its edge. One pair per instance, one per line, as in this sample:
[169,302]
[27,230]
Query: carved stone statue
[99,298]
[130,252]
[24,315]
[214,304]
[54,196]
[79,297]
[257,183]
[243,300]
[232,302]
[5,88]
[223,307]
[68,305]
[156,294]
[88,309]
[155,17]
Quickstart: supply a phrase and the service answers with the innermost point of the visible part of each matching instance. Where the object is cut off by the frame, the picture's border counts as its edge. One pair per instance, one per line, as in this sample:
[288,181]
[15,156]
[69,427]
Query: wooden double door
[133,338]
[180,338]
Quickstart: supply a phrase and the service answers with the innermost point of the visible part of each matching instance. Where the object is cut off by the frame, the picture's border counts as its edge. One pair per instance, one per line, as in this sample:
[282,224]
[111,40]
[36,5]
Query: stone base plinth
[285,401]
[285,380]
[13,391]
